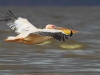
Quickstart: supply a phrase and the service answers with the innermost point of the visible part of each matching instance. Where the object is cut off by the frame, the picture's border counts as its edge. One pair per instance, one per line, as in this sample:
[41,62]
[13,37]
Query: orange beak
[66,30]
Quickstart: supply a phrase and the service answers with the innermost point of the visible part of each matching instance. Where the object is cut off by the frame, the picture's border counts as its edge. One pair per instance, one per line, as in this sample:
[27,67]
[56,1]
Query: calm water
[52,58]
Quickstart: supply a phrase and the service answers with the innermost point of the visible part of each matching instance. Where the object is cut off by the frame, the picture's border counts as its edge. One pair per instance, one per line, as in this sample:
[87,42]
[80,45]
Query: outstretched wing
[17,24]
[56,34]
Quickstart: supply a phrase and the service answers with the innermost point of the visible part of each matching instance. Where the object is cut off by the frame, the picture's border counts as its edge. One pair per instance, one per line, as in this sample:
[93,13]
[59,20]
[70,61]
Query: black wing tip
[71,33]
[10,12]
[8,16]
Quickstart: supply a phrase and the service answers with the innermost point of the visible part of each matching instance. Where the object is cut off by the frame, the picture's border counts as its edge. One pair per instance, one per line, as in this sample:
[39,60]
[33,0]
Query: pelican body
[29,34]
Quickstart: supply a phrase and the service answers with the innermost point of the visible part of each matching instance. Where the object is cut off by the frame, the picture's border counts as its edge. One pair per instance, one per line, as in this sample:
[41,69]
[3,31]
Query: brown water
[51,58]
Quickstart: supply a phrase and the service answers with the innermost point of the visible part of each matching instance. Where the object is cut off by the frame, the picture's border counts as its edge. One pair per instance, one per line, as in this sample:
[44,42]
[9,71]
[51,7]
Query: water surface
[51,58]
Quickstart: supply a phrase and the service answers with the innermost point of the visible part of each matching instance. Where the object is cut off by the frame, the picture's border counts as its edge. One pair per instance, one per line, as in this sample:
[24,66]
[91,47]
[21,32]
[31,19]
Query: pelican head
[50,26]
[65,30]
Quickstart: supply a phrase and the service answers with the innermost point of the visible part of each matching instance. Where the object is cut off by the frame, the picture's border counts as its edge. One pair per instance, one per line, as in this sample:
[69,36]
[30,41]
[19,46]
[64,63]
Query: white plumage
[29,34]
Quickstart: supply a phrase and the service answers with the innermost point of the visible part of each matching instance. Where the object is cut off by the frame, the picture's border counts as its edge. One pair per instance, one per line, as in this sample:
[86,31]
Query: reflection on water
[80,55]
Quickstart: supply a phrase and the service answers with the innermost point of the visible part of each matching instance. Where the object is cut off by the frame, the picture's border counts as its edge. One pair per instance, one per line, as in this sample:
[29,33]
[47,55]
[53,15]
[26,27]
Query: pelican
[29,34]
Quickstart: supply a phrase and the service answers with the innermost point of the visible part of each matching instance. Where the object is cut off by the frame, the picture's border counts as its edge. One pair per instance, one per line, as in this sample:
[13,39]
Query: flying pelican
[29,34]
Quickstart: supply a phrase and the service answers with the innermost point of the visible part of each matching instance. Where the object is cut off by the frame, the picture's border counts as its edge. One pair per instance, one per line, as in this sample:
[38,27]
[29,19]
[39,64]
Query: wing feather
[17,24]
[56,34]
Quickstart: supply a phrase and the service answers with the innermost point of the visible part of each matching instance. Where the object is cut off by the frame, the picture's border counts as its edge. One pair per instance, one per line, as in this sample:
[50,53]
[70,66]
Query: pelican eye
[53,26]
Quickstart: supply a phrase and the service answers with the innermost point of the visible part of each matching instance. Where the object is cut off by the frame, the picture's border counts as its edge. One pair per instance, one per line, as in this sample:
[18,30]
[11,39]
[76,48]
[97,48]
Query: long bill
[66,30]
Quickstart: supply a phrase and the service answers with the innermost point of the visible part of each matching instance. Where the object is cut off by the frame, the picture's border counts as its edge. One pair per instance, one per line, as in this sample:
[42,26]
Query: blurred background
[80,55]
[49,2]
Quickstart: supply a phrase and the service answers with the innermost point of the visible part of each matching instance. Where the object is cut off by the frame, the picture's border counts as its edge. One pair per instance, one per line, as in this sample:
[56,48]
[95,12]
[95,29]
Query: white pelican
[29,34]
